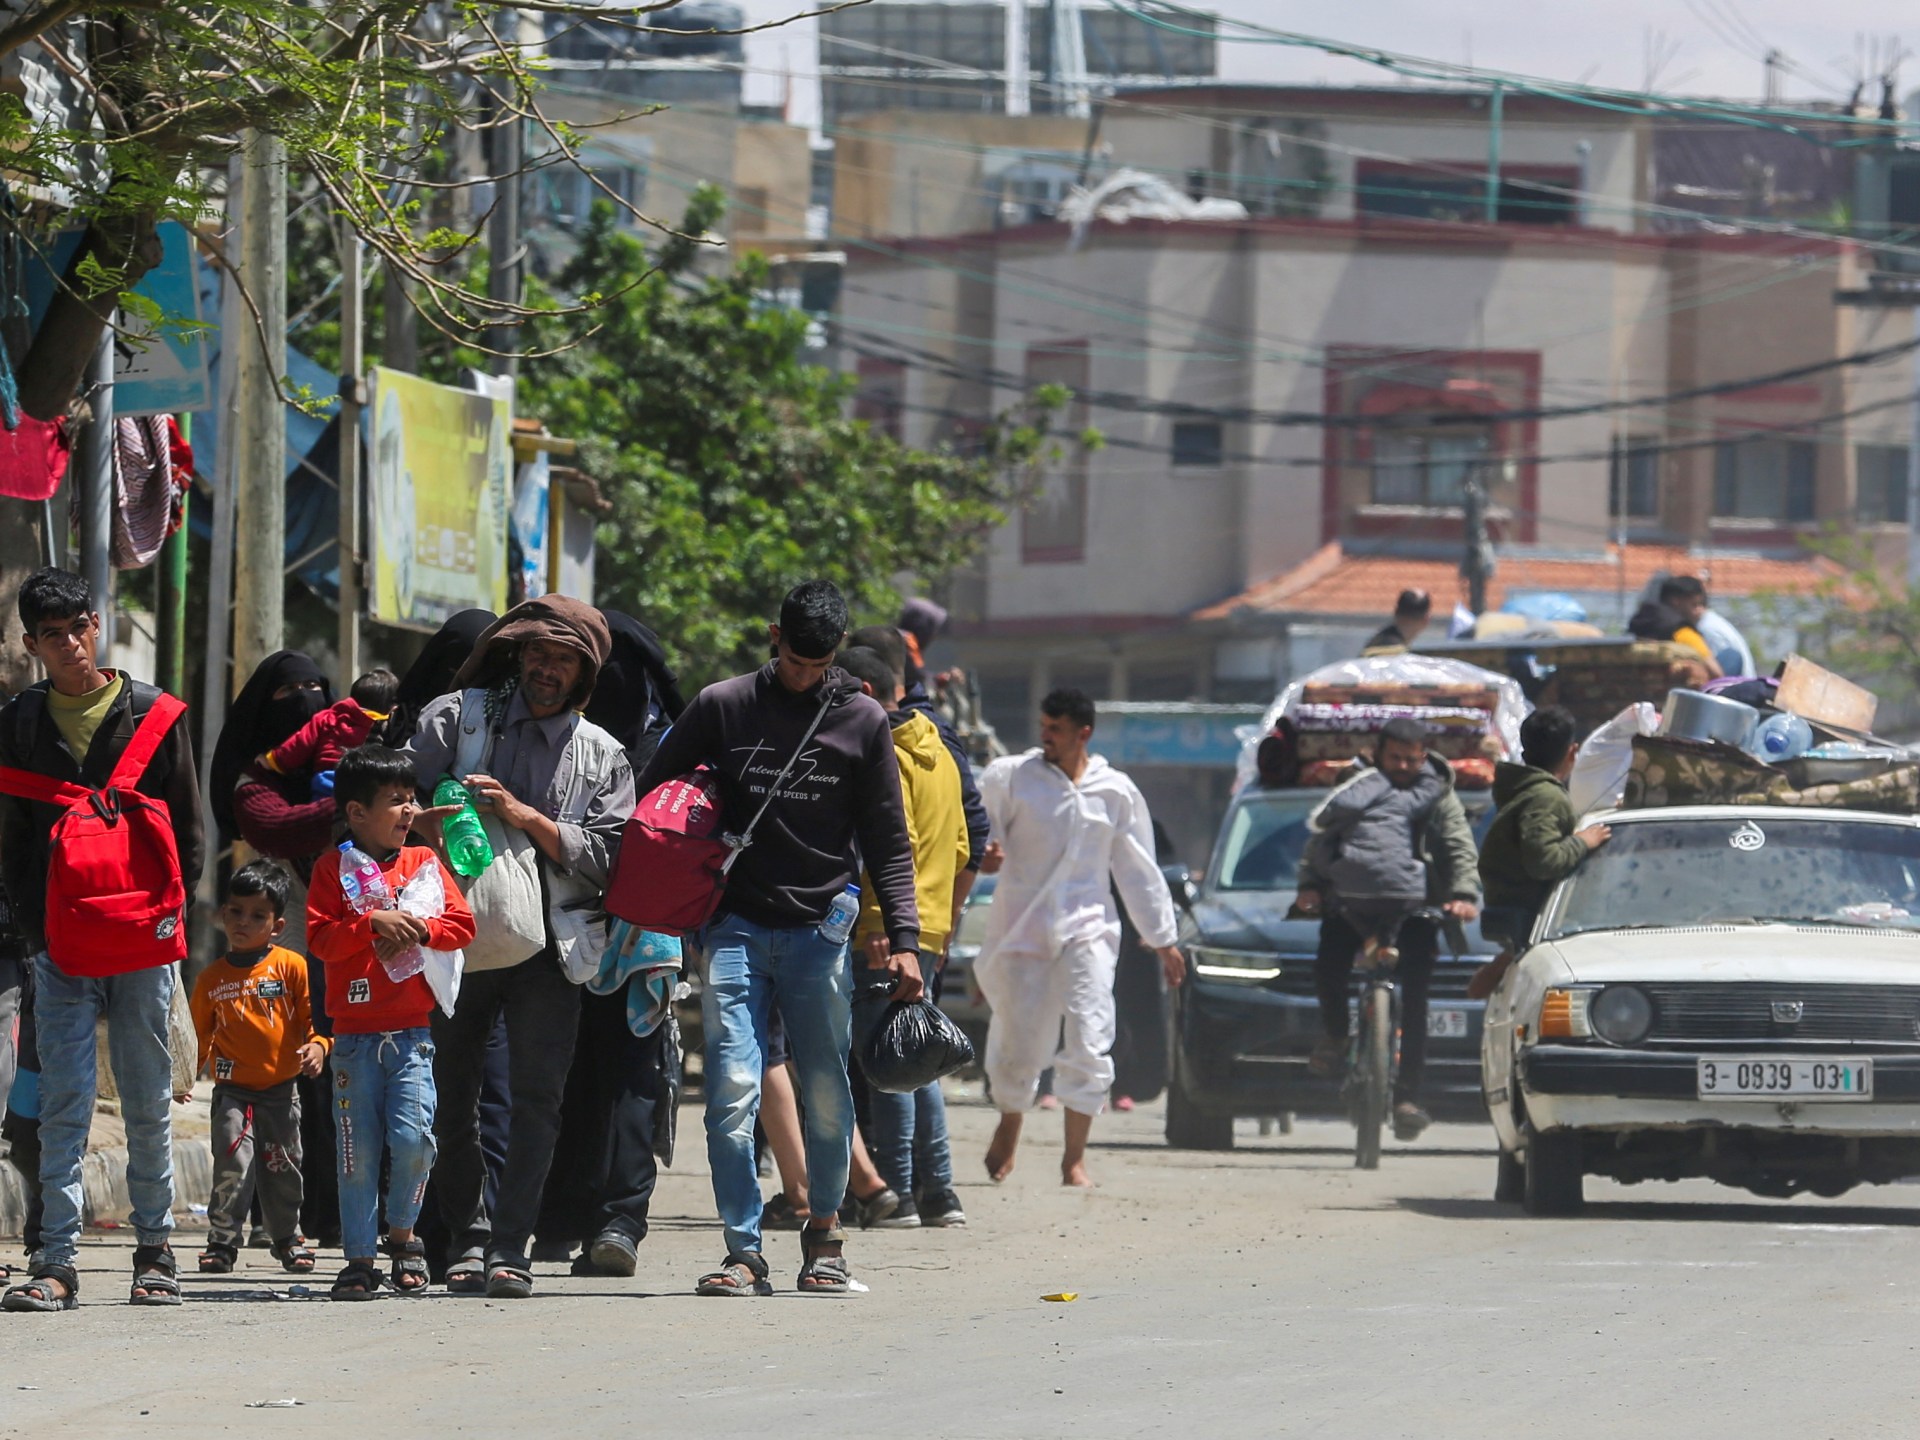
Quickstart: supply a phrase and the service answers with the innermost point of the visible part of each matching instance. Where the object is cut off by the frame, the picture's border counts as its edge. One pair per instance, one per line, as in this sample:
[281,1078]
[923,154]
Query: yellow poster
[442,463]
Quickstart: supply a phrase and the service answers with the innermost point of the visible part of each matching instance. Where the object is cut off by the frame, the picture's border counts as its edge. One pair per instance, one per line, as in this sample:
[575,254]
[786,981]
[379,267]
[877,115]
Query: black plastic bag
[903,1047]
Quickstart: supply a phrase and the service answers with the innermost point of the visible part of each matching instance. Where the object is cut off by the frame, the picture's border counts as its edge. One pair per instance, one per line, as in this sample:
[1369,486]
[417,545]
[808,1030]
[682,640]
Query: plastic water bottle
[467,844]
[1781,737]
[367,890]
[365,887]
[838,926]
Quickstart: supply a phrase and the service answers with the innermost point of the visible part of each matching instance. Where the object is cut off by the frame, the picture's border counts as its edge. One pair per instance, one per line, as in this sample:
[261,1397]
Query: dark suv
[1247,1018]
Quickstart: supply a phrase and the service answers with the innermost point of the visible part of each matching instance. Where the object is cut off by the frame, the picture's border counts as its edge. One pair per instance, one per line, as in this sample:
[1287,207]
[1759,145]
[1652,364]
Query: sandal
[156,1276]
[361,1280]
[467,1276]
[37,1294]
[409,1257]
[218,1258]
[296,1257]
[823,1274]
[782,1214]
[743,1272]
[509,1279]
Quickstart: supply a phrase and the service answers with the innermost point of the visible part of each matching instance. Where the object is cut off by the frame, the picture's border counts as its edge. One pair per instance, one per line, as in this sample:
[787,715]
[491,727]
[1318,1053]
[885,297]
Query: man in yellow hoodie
[909,1132]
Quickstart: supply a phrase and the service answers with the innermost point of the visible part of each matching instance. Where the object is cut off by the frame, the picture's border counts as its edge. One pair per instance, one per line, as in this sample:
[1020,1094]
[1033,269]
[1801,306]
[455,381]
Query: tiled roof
[1332,582]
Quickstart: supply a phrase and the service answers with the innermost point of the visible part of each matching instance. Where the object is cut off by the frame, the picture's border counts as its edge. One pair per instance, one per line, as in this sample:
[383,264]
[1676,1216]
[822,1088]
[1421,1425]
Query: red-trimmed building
[1292,401]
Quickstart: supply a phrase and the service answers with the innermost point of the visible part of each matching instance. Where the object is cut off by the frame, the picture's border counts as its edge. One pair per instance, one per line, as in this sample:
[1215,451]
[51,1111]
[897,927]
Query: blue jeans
[909,1139]
[66,1012]
[383,1095]
[750,968]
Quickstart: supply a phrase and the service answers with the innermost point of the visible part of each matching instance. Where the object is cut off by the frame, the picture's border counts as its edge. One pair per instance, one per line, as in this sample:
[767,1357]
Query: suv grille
[1880,1014]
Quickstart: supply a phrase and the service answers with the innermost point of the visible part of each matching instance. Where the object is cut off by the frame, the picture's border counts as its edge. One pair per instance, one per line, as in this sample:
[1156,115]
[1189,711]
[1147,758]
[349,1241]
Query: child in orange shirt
[255,1023]
[382,1048]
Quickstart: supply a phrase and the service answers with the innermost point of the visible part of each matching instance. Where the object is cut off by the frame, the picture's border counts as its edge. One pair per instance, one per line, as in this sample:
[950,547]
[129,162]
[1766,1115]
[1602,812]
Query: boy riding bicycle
[1398,817]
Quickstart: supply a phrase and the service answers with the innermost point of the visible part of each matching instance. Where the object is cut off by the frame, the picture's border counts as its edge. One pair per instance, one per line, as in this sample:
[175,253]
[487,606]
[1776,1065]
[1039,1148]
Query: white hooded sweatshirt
[1067,846]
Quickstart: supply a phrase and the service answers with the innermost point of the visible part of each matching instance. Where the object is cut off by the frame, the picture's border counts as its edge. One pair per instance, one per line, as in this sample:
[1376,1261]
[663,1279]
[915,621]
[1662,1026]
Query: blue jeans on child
[909,1139]
[750,969]
[383,1096]
[66,1011]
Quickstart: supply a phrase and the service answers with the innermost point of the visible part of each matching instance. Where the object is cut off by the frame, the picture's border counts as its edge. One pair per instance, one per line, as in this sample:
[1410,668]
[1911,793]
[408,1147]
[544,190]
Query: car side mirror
[1180,881]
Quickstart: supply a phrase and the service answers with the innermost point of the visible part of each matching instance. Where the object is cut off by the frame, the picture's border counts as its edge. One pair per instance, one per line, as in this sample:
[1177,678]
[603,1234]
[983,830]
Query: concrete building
[1293,402]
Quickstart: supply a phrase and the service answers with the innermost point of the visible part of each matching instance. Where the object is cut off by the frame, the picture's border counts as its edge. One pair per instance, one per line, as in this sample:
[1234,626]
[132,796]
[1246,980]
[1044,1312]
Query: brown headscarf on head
[555,619]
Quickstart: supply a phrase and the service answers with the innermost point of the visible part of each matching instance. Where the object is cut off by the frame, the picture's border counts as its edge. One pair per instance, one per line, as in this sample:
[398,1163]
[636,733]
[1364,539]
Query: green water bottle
[467,845]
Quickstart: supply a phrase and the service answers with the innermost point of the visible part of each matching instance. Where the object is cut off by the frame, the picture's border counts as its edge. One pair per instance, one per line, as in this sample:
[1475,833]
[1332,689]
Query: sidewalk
[104,1171]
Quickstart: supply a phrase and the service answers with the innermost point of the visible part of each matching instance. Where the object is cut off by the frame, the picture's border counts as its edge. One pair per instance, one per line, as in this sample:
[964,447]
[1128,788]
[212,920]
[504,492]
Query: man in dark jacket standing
[769,943]
[73,727]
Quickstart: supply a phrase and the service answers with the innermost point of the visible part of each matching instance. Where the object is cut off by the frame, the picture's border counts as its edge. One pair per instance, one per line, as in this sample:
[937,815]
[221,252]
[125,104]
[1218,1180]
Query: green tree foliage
[731,463]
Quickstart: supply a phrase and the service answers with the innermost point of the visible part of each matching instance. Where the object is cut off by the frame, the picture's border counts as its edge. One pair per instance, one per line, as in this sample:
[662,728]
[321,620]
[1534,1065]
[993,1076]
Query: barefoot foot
[1006,1140]
[1076,1176]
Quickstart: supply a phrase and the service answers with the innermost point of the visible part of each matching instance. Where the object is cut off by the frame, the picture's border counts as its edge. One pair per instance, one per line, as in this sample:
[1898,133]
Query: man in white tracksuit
[1067,829]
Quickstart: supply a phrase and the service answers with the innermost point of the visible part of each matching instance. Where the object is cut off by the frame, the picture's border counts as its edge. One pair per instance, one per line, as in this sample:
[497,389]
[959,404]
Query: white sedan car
[1724,992]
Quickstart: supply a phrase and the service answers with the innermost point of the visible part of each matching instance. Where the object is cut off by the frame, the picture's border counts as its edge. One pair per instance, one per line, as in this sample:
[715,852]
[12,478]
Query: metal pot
[1691,715]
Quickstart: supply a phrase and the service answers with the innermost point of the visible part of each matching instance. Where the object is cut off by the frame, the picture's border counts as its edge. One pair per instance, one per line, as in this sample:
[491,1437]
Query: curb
[103,1180]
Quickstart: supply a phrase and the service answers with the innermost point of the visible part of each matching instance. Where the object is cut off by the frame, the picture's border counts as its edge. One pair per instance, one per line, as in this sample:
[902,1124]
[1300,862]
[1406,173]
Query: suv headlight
[1621,1014]
[1247,967]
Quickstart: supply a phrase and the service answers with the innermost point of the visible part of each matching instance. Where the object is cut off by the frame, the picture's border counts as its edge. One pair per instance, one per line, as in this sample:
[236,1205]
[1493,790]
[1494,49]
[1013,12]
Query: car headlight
[1621,1014]
[1248,967]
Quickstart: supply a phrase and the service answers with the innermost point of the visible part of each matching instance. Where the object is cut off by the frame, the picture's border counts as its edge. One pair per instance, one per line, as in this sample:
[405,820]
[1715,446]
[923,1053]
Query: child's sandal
[410,1274]
[218,1259]
[296,1257]
[359,1281]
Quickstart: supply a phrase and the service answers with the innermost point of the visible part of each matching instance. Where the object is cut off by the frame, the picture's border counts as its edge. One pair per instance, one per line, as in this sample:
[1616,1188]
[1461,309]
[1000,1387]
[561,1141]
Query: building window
[1197,443]
[1428,468]
[1763,479]
[1634,491]
[1053,526]
[1881,471]
[1529,194]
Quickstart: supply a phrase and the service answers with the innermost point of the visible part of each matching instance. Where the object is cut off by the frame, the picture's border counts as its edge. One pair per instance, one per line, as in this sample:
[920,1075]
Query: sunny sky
[1699,46]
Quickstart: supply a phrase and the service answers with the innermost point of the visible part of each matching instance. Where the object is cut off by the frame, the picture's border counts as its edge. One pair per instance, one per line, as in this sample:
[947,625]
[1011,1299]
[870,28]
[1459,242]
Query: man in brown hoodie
[554,791]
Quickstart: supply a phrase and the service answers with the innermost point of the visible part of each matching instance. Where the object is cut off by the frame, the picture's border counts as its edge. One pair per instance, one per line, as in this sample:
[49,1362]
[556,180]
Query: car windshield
[1715,870]
[1264,837]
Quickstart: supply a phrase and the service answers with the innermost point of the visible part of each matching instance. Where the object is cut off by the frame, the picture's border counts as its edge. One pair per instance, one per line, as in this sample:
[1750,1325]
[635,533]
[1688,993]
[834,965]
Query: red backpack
[115,899]
[672,865]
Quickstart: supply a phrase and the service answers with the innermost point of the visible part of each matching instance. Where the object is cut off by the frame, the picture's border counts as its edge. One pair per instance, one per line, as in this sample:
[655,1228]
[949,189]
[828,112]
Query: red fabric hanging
[33,458]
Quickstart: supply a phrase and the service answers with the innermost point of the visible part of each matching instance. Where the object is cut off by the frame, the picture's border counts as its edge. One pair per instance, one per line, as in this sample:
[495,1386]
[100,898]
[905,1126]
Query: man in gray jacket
[1429,835]
[557,791]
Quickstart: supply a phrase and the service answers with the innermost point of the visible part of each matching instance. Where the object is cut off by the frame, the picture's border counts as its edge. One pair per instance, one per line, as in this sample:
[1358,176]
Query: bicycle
[1373,1047]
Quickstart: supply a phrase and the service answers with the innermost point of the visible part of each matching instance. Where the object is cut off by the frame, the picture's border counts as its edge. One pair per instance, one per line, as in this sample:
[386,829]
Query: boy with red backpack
[98,803]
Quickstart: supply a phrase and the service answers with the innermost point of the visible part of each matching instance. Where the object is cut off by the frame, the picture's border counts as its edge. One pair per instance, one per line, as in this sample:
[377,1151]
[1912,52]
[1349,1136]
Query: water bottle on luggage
[467,845]
[367,890]
[1781,737]
[837,928]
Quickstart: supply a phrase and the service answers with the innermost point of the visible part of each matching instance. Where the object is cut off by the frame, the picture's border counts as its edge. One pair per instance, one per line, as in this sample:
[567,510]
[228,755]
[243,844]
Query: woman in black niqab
[637,695]
[431,674]
[284,692]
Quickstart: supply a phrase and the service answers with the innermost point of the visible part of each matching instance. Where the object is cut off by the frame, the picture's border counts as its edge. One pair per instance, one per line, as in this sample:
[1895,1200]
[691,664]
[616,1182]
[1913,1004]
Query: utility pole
[1477,564]
[170,620]
[503,228]
[1019,88]
[96,488]
[260,432]
[236,335]
[352,380]
[1496,118]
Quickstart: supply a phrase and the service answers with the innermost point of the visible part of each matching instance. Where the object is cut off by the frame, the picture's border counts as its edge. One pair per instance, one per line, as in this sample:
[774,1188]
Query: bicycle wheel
[1373,1064]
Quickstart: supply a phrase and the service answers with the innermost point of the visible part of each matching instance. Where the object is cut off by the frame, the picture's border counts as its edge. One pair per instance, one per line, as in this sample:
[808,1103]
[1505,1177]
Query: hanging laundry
[152,470]
[33,457]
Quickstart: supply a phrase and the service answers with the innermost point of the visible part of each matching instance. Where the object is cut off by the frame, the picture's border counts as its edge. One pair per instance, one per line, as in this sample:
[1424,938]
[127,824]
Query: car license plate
[1447,1024]
[1741,1077]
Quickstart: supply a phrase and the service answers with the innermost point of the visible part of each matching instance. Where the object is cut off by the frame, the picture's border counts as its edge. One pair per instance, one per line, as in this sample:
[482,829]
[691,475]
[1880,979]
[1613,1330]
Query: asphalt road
[1272,1291]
